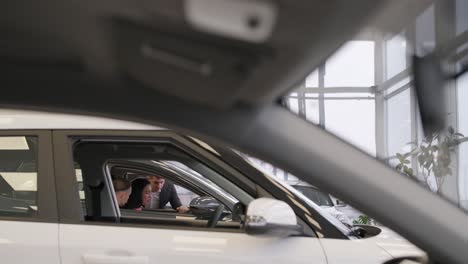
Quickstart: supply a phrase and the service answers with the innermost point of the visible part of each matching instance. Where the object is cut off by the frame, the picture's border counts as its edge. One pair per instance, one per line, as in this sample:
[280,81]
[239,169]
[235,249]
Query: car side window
[185,195]
[152,185]
[18,176]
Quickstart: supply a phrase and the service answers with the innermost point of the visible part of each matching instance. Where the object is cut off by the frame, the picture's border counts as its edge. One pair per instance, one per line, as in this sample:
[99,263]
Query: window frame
[46,198]
[68,201]
[145,169]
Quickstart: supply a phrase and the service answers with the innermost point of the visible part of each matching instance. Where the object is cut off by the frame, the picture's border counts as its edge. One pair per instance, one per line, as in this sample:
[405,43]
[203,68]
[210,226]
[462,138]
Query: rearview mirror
[266,216]
[429,82]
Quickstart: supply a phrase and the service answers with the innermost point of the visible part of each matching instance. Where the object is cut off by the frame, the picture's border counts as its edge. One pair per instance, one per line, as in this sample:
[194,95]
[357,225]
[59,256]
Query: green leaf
[398,167]
[412,143]
[406,155]
[362,219]
[400,157]
[408,171]
[406,161]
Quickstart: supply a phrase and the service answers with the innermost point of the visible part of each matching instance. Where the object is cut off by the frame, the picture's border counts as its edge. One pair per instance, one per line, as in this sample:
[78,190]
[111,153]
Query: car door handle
[114,259]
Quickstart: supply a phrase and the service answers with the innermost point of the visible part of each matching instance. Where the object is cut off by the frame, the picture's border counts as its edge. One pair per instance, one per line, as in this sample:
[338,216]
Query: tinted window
[315,195]
[118,182]
[18,176]
[185,195]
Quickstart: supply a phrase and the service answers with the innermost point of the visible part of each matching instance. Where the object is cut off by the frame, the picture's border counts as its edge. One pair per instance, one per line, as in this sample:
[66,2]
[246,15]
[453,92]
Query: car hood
[377,249]
[394,244]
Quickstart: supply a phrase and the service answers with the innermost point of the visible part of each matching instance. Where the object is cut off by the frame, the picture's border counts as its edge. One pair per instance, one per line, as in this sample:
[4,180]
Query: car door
[28,210]
[109,238]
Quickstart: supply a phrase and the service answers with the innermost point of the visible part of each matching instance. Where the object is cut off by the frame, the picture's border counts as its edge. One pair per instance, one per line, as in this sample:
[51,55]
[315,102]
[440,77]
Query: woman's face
[146,196]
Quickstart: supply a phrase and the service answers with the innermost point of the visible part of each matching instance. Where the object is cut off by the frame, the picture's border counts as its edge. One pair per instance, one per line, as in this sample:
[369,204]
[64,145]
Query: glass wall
[340,97]
[340,84]
[356,126]
[462,85]
[341,70]
[462,96]
[461,11]
[395,54]
[398,123]
[364,94]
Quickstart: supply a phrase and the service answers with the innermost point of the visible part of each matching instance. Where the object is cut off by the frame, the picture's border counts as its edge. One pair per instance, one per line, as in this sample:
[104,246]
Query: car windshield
[187,172]
[289,184]
[365,93]
[315,195]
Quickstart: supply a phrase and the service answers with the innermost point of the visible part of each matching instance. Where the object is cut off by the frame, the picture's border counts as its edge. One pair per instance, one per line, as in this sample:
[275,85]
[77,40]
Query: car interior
[100,163]
[18,176]
[189,188]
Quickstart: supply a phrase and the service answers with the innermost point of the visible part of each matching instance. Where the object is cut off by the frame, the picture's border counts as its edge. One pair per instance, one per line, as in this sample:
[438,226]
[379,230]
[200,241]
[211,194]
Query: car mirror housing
[203,207]
[340,203]
[266,216]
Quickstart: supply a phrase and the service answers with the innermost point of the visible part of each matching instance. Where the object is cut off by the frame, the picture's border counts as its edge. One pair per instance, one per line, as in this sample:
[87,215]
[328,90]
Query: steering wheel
[216,215]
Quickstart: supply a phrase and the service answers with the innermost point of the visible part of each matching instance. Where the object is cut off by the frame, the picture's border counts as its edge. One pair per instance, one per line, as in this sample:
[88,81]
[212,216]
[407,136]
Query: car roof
[93,38]
[23,119]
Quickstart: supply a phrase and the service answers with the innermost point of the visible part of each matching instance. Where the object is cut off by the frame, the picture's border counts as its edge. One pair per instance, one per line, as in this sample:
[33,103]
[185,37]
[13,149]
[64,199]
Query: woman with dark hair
[141,195]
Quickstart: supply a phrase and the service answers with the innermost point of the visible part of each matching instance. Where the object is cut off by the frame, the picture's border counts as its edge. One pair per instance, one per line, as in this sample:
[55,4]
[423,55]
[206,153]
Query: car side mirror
[340,203]
[266,216]
[365,231]
[203,207]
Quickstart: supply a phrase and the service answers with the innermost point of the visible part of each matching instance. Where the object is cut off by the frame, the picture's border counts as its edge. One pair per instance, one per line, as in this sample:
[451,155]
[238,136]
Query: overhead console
[248,20]
[183,62]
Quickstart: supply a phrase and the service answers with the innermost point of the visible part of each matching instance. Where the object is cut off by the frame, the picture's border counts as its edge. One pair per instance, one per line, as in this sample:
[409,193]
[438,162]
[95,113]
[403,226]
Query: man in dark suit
[163,192]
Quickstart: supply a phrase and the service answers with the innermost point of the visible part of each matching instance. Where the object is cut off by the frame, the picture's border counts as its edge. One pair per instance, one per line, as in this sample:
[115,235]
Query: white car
[343,212]
[58,203]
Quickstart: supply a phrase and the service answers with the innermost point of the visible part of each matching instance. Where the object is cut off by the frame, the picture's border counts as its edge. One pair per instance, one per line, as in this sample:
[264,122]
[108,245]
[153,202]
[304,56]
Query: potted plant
[433,156]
